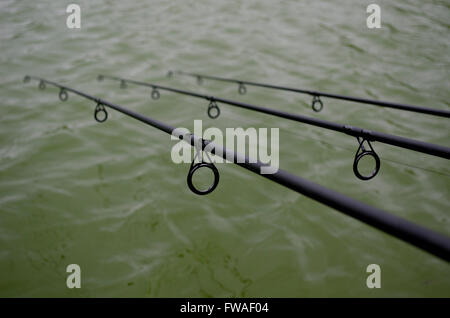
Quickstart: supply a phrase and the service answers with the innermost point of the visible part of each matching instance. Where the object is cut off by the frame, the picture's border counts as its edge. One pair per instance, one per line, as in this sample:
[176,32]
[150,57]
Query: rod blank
[405,107]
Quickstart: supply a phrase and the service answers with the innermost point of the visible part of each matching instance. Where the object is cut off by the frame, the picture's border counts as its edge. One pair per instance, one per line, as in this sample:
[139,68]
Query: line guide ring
[100,108]
[242,89]
[63,95]
[199,165]
[362,152]
[316,100]
[213,109]
[41,84]
[155,93]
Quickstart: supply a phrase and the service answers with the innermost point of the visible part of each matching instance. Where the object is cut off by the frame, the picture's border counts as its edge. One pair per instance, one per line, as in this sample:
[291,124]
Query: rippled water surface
[108,197]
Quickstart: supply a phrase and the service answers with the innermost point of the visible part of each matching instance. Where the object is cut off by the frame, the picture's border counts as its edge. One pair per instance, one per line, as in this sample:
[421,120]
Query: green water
[108,197]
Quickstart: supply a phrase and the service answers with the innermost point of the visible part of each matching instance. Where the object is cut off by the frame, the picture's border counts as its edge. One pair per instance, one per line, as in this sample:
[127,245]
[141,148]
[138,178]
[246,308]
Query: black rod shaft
[371,135]
[405,107]
[152,122]
[421,237]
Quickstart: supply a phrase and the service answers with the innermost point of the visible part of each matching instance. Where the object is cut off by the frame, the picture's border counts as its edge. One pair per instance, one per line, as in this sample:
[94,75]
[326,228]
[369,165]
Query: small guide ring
[100,109]
[63,96]
[155,94]
[211,113]
[316,100]
[242,89]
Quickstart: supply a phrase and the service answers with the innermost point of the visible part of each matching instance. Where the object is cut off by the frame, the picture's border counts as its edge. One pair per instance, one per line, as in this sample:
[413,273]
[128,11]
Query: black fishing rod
[317,104]
[363,136]
[421,237]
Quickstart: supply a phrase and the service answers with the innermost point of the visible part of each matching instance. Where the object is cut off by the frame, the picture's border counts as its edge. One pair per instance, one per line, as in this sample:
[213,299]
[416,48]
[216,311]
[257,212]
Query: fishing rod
[363,136]
[317,104]
[421,237]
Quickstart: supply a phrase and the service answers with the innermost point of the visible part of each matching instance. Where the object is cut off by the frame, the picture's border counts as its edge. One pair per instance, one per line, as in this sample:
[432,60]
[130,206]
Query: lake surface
[108,198]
